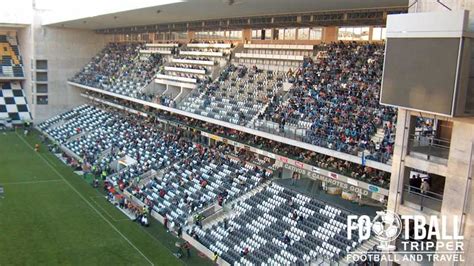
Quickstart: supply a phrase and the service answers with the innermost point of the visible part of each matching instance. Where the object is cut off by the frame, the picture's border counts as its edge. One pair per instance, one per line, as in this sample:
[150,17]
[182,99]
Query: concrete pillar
[25,39]
[398,159]
[329,34]
[191,35]
[246,35]
[458,186]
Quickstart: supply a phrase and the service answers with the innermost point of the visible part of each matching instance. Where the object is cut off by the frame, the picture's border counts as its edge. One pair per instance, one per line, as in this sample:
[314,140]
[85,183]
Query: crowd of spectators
[167,101]
[357,171]
[117,65]
[339,95]
[354,170]
[153,148]
[237,95]
[178,185]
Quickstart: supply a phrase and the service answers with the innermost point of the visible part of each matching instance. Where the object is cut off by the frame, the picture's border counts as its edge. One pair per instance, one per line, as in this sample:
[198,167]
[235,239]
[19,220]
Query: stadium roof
[191,10]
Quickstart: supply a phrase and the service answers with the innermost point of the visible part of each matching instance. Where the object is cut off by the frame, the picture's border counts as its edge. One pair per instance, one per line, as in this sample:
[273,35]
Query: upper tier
[11,65]
[330,99]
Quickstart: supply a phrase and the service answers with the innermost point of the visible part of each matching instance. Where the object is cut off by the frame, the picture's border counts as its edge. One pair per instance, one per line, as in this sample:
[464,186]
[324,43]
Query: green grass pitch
[51,216]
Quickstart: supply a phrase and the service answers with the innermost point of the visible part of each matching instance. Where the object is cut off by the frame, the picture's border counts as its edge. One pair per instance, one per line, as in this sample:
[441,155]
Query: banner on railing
[309,170]
[344,182]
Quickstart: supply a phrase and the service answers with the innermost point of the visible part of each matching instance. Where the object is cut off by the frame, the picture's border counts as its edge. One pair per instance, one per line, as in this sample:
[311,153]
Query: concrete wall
[67,51]
[458,170]
[458,189]
[25,40]
[433,5]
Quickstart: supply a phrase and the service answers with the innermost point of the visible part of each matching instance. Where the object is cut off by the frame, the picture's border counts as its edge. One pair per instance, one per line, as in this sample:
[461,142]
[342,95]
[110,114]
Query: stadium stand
[238,96]
[267,224]
[78,121]
[196,182]
[13,103]
[331,101]
[353,170]
[11,64]
[239,133]
[120,68]
[277,226]
[336,99]
[175,176]
[194,175]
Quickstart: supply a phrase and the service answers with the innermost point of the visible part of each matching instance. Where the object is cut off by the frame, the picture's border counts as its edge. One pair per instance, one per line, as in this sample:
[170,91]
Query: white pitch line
[31,182]
[106,212]
[52,162]
[85,200]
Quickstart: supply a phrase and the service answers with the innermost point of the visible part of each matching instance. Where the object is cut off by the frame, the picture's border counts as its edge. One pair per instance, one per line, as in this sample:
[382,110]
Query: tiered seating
[278,226]
[115,135]
[336,99]
[194,183]
[333,102]
[48,124]
[333,164]
[196,175]
[11,64]
[91,145]
[120,68]
[81,120]
[238,96]
[151,148]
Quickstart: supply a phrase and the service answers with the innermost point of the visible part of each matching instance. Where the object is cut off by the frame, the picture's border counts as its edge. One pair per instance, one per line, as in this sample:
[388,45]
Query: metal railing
[301,134]
[347,171]
[343,171]
[427,199]
[429,145]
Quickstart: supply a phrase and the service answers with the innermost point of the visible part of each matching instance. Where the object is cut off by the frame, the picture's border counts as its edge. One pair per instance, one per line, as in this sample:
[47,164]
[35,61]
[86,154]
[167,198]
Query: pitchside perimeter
[49,215]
